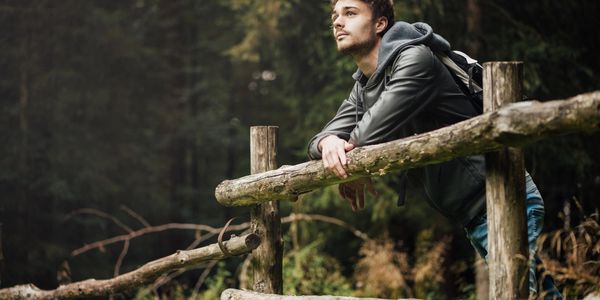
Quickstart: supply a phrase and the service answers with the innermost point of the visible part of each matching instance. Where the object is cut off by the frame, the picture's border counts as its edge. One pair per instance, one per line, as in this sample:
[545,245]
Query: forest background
[145,106]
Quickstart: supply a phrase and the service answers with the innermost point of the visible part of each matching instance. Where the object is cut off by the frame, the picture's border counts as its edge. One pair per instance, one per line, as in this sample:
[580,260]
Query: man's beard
[360,48]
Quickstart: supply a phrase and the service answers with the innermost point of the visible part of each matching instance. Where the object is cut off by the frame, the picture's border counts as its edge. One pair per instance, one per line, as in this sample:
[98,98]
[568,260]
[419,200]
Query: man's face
[354,29]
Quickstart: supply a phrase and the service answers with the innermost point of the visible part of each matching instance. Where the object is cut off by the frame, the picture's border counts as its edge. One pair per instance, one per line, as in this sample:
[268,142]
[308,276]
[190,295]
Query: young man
[402,89]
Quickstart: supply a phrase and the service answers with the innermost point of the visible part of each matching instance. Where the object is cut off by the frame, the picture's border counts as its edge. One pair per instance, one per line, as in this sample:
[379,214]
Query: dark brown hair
[380,8]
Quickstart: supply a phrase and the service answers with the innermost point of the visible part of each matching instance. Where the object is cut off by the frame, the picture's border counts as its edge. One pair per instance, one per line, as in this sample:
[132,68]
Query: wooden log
[513,125]
[143,275]
[505,192]
[265,221]
[234,294]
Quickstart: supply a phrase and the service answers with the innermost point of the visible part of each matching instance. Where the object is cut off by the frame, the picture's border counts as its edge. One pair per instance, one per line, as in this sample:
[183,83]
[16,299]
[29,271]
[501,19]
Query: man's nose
[337,22]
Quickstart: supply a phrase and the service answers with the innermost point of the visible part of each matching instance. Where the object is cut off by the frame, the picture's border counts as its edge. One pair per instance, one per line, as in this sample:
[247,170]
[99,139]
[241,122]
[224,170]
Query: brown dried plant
[428,271]
[572,256]
[384,271]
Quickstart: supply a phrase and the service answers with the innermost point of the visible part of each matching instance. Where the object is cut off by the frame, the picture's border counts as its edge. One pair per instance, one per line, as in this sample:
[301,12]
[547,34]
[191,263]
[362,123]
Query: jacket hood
[401,35]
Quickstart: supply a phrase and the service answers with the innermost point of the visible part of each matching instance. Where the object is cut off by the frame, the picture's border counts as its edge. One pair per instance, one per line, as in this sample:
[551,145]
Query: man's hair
[380,8]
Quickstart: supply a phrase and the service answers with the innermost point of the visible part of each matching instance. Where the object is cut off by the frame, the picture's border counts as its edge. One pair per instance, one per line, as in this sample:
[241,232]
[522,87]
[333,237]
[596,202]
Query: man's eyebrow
[344,8]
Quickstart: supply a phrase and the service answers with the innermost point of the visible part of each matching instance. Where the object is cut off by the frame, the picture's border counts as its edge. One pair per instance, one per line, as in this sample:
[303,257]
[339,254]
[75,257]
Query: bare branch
[135,215]
[143,275]
[203,276]
[331,220]
[153,229]
[92,211]
[121,258]
[212,230]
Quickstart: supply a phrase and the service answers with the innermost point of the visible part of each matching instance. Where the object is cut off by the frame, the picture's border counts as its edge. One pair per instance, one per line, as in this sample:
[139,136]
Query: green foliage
[216,284]
[309,271]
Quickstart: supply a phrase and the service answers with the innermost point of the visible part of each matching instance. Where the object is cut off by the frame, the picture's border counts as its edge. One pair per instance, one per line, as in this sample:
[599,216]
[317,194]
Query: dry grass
[429,268]
[572,257]
[384,271]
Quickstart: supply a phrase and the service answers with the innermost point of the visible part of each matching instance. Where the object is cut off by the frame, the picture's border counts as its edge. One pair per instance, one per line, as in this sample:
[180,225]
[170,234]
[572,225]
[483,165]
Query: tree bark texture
[505,192]
[234,294]
[143,275]
[267,259]
[512,125]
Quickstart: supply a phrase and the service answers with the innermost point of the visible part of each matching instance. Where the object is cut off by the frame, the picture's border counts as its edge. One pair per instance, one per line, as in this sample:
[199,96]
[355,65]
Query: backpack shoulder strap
[466,79]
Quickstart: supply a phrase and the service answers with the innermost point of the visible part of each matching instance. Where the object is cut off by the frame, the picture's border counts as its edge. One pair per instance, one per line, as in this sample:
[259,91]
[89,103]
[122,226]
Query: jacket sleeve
[341,125]
[409,90]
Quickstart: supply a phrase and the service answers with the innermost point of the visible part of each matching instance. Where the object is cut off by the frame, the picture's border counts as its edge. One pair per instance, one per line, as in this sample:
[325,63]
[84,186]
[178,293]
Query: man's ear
[381,24]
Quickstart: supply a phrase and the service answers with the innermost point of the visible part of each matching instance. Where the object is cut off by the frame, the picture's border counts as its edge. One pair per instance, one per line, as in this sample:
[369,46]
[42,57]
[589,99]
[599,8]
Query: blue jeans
[477,233]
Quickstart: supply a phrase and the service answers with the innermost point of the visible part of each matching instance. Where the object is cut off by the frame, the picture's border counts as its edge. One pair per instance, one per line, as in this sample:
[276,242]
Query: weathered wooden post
[265,219]
[505,192]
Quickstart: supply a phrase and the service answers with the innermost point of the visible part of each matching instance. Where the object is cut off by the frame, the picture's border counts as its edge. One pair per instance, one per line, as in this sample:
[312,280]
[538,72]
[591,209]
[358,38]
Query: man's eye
[350,13]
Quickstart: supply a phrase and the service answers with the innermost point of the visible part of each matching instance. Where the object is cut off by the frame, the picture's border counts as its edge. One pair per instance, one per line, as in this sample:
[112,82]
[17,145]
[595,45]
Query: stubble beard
[359,48]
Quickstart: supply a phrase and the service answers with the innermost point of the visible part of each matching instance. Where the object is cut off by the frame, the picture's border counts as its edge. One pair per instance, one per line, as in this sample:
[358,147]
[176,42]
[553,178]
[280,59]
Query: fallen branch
[513,125]
[233,294]
[143,275]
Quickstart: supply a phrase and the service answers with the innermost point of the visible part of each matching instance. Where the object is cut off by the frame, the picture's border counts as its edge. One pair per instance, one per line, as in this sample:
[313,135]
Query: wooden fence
[497,132]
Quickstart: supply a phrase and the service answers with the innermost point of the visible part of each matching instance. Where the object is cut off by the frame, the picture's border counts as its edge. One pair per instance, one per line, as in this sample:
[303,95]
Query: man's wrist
[320,144]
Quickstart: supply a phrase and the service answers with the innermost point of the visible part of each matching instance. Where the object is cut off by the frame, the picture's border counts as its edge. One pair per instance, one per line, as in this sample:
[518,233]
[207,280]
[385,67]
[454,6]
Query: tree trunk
[513,125]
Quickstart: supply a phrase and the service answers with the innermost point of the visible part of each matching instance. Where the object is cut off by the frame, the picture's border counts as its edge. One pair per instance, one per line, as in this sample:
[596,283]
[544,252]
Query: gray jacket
[412,92]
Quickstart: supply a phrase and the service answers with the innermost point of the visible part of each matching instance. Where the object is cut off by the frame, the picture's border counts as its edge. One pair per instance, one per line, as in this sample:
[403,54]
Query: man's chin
[352,51]
[355,48]
[346,50]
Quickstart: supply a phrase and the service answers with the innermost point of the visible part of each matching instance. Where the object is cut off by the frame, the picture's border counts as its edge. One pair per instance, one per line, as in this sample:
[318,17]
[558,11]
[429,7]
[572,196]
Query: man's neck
[367,62]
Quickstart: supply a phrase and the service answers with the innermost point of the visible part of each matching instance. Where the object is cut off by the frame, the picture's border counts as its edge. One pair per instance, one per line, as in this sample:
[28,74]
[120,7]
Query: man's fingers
[342,156]
[344,192]
[333,161]
[356,191]
[355,195]
[338,169]
[348,146]
[341,172]
[361,197]
[349,194]
[329,163]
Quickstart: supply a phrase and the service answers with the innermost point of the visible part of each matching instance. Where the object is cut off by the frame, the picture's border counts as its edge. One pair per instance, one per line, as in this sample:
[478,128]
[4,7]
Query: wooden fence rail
[513,125]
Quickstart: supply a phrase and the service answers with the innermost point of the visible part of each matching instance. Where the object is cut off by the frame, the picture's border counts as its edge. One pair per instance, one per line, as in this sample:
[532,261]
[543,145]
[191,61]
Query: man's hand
[354,191]
[333,150]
